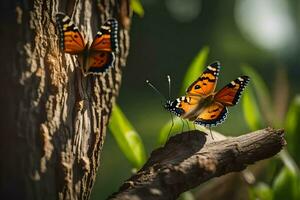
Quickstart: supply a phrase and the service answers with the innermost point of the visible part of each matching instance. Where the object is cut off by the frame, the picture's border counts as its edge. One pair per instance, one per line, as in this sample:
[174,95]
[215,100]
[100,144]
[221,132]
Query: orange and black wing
[107,38]
[206,83]
[182,106]
[71,40]
[212,115]
[230,94]
[99,62]
[103,49]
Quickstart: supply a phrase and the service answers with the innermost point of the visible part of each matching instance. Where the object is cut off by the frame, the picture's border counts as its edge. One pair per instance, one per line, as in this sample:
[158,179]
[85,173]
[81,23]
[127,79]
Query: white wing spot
[211,68]
[65,19]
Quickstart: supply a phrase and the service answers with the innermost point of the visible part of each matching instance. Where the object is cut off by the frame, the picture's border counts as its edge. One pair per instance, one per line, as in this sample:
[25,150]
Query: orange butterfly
[95,58]
[202,104]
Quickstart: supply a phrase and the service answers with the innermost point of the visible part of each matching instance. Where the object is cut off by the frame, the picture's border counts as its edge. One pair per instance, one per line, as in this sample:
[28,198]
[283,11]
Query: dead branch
[188,160]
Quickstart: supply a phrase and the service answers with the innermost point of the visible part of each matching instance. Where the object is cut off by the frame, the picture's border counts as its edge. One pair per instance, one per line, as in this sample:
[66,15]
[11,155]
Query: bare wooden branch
[187,160]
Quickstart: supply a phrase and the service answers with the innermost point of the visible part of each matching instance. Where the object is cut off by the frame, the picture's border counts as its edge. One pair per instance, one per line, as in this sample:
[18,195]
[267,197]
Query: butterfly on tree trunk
[95,58]
[202,104]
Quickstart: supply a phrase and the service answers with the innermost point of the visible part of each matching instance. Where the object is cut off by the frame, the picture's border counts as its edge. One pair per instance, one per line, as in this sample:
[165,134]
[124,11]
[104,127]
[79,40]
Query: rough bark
[56,119]
[187,160]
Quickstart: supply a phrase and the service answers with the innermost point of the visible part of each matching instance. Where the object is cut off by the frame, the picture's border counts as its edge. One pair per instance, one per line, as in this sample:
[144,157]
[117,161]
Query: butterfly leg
[211,133]
[172,124]
[182,128]
[187,123]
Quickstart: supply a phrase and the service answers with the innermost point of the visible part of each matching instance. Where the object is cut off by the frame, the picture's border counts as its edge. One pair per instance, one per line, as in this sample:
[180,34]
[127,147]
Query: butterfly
[202,104]
[95,58]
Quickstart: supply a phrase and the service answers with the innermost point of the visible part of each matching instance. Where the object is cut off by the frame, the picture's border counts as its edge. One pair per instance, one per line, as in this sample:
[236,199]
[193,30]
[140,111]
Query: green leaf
[195,68]
[292,127]
[286,185]
[127,138]
[287,182]
[261,91]
[251,111]
[293,116]
[261,191]
[188,195]
[137,7]
[280,91]
[288,161]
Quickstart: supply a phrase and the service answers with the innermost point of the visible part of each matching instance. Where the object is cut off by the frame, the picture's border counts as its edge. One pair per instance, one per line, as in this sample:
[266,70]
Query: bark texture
[187,160]
[53,133]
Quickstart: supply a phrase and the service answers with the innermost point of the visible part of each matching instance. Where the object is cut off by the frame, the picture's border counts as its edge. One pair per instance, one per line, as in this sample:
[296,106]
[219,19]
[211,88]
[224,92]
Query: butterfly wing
[197,105]
[103,48]
[71,40]
[230,94]
[99,62]
[212,115]
[107,38]
[206,83]
[189,106]
[182,106]
[216,112]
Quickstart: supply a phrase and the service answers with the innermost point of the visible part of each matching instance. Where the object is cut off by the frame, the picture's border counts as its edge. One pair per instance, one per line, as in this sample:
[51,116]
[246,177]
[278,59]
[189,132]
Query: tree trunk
[54,119]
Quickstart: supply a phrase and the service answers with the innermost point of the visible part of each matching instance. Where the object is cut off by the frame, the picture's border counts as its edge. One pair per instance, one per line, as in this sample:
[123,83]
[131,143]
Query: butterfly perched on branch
[202,104]
[94,58]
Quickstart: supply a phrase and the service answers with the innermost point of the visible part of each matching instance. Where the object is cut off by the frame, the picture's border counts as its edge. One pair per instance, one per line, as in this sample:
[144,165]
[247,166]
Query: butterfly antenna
[169,82]
[211,133]
[155,89]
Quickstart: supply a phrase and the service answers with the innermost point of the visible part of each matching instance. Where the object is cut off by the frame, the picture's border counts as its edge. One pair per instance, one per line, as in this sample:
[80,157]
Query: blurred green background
[258,38]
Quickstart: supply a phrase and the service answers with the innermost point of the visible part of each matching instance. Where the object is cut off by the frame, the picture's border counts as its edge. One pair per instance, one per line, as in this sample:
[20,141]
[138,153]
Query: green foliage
[137,7]
[251,111]
[261,91]
[127,138]
[288,161]
[292,128]
[261,191]
[195,68]
[286,185]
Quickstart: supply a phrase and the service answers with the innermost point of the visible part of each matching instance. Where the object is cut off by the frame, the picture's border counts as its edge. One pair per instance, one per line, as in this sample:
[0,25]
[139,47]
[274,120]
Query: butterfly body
[202,104]
[94,58]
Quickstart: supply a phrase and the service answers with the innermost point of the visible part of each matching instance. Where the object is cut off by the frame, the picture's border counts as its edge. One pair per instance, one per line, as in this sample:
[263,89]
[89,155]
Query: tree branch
[187,160]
